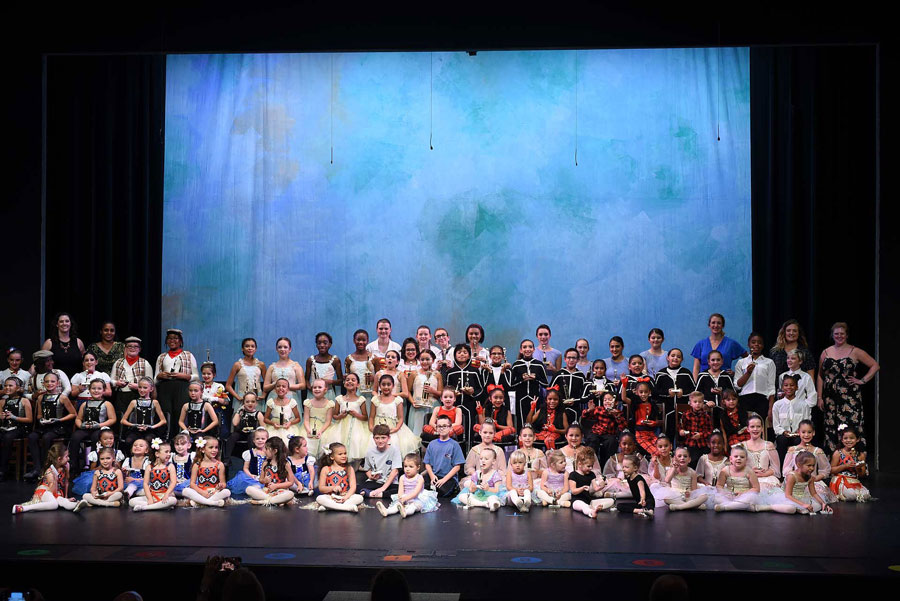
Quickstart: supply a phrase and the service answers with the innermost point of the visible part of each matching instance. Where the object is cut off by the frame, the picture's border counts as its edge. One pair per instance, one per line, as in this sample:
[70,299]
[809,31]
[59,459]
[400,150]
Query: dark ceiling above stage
[248,26]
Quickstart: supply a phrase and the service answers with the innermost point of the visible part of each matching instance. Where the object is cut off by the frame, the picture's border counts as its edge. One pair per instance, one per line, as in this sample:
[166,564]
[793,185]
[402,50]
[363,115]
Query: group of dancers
[388,426]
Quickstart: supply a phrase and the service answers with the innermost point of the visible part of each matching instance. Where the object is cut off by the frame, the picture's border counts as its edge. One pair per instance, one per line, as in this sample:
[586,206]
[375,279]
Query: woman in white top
[383,343]
[754,378]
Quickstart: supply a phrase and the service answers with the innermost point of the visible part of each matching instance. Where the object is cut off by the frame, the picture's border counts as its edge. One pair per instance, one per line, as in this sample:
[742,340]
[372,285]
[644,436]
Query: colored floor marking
[526,560]
[34,552]
[648,563]
[280,556]
[398,558]
[895,568]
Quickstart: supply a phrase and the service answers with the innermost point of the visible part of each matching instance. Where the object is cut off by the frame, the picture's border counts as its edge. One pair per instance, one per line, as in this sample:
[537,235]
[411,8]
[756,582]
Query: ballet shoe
[492,507]
[526,507]
[79,506]
[17,509]
[520,505]
[719,507]
[321,508]
[115,504]
[381,509]
[354,508]
[565,503]
[220,503]
[137,508]
[401,509]
[194,503]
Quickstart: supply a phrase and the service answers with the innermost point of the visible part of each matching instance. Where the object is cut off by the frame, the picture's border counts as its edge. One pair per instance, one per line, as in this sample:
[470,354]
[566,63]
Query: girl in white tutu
[679,489]
[807,431]
[761,455]
[412,495]
[351,419]
[737,488]
[799,494]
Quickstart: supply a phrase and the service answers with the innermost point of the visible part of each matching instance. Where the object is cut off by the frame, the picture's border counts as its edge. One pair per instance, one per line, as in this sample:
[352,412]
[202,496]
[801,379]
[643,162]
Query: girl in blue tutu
[303,464]
[82,484]
[183,460]
[412,496]
[254,457]
[485,487]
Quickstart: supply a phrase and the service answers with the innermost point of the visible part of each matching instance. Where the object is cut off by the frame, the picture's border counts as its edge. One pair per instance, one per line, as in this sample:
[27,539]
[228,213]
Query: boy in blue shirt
[444,459]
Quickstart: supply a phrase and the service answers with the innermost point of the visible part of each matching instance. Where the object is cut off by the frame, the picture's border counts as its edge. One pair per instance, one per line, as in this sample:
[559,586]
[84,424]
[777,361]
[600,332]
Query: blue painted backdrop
[267,235]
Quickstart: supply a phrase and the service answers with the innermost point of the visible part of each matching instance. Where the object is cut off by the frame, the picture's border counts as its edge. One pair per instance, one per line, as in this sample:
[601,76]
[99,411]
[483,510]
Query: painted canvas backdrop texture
[308,192]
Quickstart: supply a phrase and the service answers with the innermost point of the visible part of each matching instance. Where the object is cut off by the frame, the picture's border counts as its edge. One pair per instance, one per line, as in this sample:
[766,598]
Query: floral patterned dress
[843,399]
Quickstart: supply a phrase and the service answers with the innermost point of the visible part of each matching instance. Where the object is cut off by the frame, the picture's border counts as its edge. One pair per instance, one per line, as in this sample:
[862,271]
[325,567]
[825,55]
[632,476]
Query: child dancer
[712,383]
[133,468]
[822,472]
[787,413]
[387,409]
[276,478]
[661,460]
[616,485]
[317,425]
[352,419]
[337,481]
[253,457]
[553,489]
[526,376]
[519,482]
[159,481]
[799,494]
[584,483]
[244,423]
[737,488]
[607,422]
[14,360]
[464,379]
[754,376]
[93,415]
[197,416]
[646,418]
[450,410]
[82,484]
[207,476]
[53,414]
[107,483]
[597,383]
[485,487]
[425,385]
[143,418]
[51,492]
[391,361]
[695,427]
[473,459]
[246,374]
[303,464]
[324,365]
[673,384]
[182,460]
[630,381]
[679,490]
[497,412]
[535,460]
[570,381]
[574,440]
[847,466]
[360,363]
[215,396]
[761,455]
[549,422]
[411,496]
[282,415]
[640,491]
[15,414]
[711,464]
[734,419]
[496,374]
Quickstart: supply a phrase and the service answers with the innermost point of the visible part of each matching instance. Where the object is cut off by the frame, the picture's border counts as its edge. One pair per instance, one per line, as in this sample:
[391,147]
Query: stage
[301,553]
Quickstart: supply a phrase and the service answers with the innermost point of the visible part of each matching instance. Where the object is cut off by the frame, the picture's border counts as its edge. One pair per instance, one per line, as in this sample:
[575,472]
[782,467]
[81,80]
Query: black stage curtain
[813,124]
[105,118]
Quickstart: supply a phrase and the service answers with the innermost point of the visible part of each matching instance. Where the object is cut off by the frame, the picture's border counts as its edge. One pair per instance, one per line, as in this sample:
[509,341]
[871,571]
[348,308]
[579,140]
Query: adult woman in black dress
[66,346]
[791,337]
[839,386]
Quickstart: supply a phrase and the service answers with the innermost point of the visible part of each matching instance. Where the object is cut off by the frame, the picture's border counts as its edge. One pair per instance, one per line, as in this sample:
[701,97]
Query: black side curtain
[813,124]
[104,165]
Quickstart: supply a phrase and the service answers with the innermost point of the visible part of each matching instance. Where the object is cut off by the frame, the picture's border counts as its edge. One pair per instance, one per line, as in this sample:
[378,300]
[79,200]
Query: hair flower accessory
[842,427]
[327,451]
[716,431]
[200,443]
[154,444]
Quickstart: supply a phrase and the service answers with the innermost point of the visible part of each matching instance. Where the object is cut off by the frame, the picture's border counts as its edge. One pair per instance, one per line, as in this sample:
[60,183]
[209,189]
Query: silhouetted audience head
[390,585]
[669,587]
[242,585]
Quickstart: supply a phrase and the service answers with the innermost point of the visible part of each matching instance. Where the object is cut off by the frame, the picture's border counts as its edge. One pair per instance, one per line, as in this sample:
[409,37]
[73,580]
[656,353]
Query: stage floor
[859,540]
